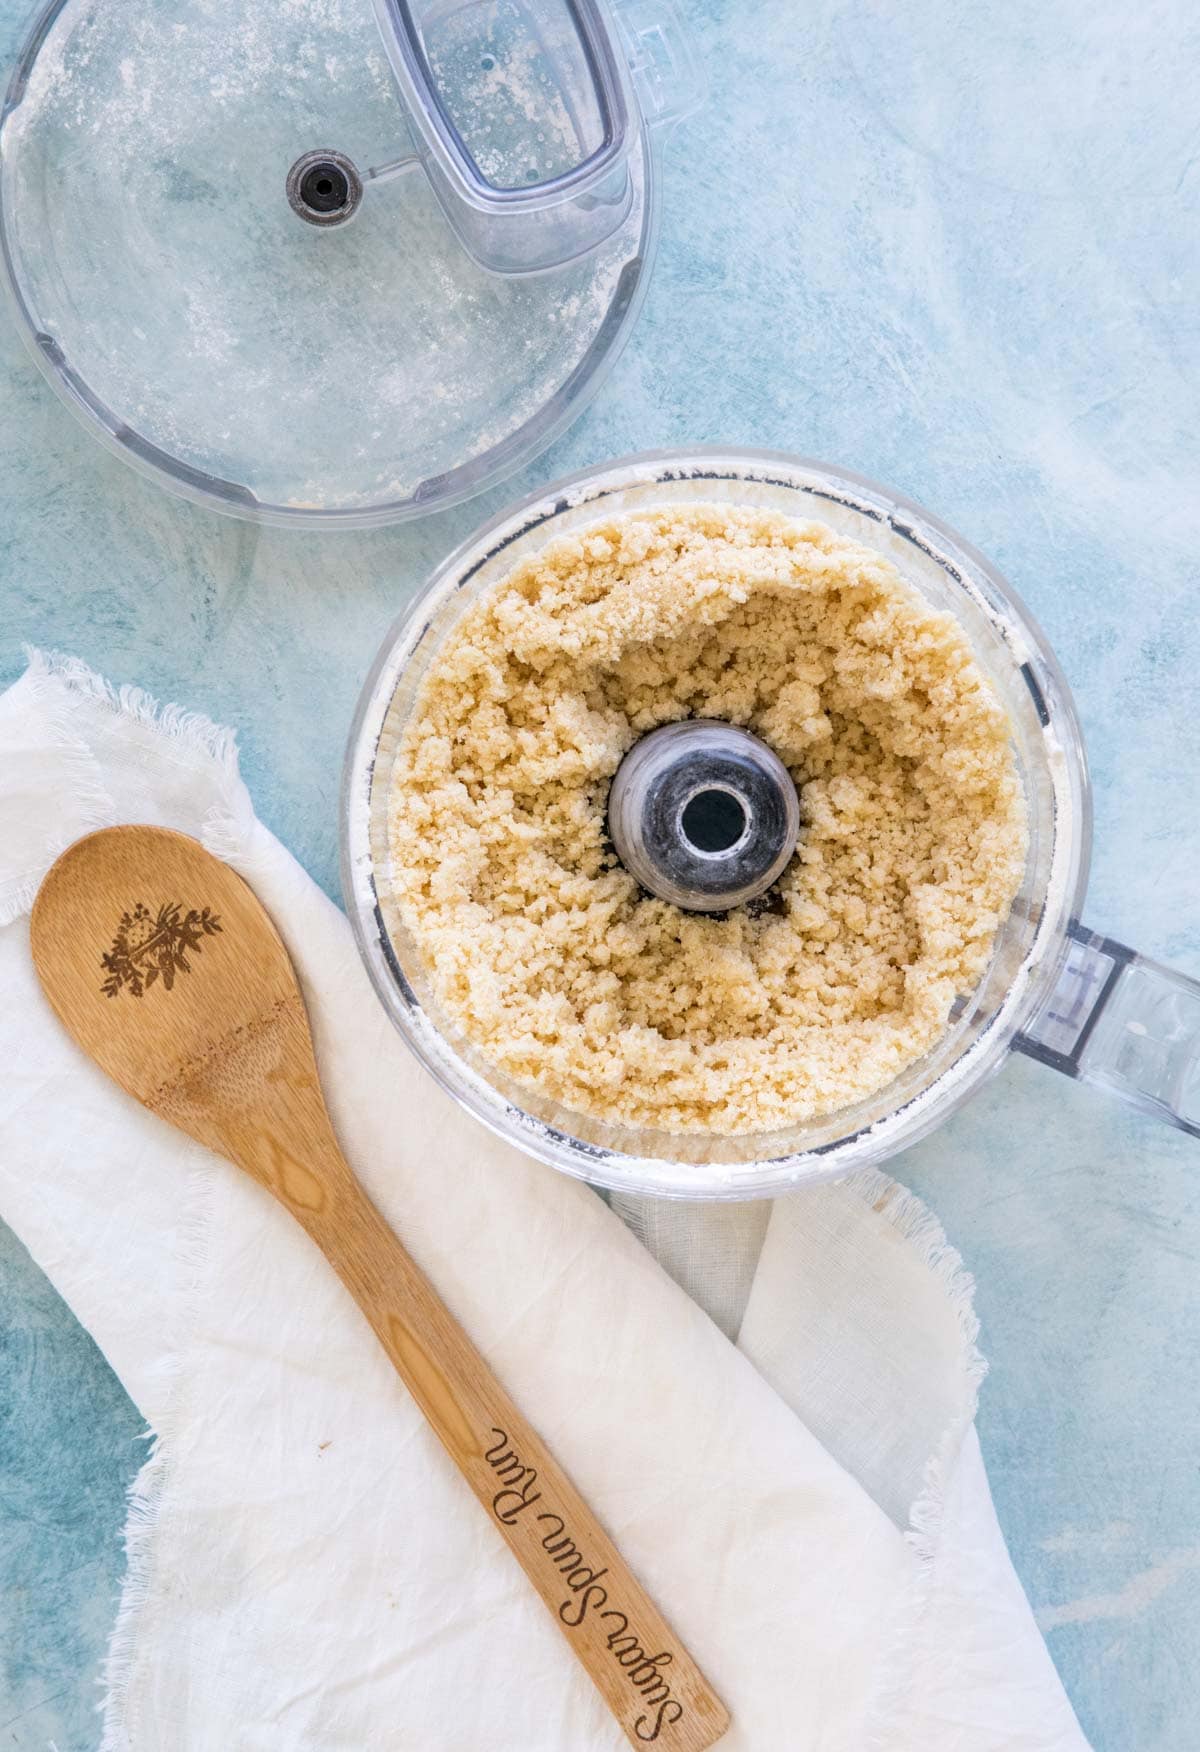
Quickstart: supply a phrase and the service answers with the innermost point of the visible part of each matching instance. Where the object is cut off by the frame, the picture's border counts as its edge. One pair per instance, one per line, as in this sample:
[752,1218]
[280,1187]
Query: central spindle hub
[704,814]
[324,188]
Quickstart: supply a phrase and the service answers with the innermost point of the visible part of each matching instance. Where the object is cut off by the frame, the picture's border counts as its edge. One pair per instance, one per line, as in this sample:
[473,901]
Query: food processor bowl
[1051,988]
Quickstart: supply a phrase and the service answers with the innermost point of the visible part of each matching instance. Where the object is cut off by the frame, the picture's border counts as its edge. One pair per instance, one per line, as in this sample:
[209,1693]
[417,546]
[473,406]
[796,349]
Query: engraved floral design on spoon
[147,945]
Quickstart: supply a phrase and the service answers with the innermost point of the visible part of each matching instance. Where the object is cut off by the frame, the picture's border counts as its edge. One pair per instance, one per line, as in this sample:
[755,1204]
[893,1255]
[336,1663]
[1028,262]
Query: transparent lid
[359,368]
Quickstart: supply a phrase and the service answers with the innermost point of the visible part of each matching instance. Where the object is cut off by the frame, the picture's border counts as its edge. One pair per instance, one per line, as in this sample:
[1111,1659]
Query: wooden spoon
[164,966]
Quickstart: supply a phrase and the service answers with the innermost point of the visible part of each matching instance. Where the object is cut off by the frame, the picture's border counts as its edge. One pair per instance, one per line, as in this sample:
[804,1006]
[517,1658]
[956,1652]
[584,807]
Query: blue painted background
[951,245]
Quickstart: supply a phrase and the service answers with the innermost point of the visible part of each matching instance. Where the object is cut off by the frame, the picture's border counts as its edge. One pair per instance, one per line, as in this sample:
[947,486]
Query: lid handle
[527,114]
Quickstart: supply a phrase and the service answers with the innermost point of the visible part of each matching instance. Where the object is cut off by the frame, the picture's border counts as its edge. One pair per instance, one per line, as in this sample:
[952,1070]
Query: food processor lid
[479,230]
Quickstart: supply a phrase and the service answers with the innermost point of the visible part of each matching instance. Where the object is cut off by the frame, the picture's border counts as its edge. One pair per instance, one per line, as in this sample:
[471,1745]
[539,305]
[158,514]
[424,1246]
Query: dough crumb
[545,952]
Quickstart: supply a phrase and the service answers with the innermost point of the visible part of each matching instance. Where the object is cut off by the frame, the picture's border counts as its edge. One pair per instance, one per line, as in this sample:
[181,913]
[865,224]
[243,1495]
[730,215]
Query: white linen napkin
[307,1572]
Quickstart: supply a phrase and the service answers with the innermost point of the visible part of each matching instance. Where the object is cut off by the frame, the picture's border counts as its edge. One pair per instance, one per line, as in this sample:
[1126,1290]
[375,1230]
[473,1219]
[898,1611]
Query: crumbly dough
[546,953]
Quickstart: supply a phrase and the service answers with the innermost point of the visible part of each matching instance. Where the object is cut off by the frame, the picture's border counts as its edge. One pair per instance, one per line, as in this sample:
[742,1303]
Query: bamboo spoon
[165,968]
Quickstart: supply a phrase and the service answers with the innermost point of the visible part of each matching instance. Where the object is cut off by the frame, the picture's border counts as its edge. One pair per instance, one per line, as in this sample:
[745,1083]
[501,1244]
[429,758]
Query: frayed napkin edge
[93,805]
[53,679]
[144,1497]
[921,1230]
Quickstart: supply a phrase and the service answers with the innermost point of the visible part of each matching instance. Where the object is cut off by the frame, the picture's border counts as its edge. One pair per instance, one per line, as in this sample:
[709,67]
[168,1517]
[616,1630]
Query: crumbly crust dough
[546,953]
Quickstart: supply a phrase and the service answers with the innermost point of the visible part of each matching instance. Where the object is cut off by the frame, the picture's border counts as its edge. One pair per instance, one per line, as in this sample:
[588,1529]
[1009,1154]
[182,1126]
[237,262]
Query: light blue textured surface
[953,246]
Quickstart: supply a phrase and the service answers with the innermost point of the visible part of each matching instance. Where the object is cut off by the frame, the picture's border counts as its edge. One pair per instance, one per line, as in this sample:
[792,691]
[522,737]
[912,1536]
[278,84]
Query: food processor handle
[1124,1023]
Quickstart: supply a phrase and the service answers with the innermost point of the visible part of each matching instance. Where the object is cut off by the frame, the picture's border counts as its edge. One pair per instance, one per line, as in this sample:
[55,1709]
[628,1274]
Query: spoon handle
[649,1681]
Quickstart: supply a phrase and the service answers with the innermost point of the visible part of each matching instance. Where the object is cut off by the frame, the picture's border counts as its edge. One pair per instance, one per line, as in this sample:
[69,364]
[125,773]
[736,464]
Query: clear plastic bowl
[1030,946]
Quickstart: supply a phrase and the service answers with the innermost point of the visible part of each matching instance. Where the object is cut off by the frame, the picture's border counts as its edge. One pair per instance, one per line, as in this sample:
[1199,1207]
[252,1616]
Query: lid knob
[324,187]
[703,814]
